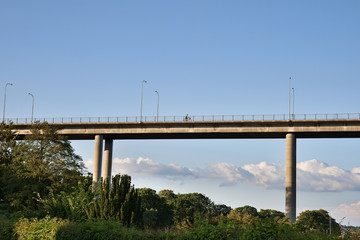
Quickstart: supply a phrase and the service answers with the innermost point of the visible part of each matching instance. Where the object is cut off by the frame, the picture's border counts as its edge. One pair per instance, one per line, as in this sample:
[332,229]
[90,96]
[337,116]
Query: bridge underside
[215,135]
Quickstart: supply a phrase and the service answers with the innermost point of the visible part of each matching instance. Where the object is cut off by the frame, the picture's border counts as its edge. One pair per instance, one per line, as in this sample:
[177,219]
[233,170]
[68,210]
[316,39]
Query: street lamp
[5,100]
[289,97]
[142,86]
[32,109]
[293,103]
[157,112]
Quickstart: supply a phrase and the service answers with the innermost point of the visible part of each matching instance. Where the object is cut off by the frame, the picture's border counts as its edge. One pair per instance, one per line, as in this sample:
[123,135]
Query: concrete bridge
[205,127]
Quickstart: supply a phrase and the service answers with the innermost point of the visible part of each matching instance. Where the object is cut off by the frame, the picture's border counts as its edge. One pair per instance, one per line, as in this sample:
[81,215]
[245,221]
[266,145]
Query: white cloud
[268,175]
[89,163]
[147,167]
[229,174]
[312,175]
[350,211]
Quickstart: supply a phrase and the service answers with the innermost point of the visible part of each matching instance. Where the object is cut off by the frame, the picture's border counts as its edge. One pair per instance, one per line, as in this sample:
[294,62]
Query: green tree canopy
[249,210]
[270,213]
[317,220]
[43,160]
[168,195]
[221,209]
[157,212]
[186,206]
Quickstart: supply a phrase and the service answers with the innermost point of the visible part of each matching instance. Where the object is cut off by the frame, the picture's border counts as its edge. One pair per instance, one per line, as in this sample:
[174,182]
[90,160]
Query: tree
[120,201]
[43,159]
[247,210]
[271,214]
[50,157]
[8,180]
[188,205]
[149,198]
[221,209]
[7,144]
[317,220]
[158,212]
[72,205]
[168,195]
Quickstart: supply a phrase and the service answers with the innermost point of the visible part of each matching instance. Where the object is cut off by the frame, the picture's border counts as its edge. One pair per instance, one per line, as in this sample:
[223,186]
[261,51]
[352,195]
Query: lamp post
[157,111]
[293,91]
[5,100]
[289,96]
[142,86]
[32,109]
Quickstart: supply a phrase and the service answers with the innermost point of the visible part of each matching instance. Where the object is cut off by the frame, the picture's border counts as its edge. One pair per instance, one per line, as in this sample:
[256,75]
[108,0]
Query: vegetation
[45,194]
[44,160]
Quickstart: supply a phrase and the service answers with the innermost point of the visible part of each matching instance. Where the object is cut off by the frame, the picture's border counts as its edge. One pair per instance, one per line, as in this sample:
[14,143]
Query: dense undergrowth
[99,229]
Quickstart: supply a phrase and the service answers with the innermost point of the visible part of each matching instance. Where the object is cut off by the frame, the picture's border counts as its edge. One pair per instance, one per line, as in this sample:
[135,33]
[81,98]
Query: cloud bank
[351,211]
[312,175]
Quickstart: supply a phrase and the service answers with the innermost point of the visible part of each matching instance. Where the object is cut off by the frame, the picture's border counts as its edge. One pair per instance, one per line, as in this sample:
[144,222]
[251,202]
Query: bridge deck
[206,129]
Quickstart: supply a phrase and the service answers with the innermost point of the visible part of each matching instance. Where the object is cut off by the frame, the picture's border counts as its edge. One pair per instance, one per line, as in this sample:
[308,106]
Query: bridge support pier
[98,157]
[108,158]
[290,179]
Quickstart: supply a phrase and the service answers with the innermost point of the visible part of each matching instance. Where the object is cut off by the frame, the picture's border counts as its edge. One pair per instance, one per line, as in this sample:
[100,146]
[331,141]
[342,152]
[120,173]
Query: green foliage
[8,144]
[266,229]
[97,230]
[221,209]
[256,229]
[249,210]
[120,201]
[48,157]
[203,229]
[186,206]
[6,228]
[8,151]
[317,220]
[72,205]
[43,159]
[271,214]
[45,228]
[157,212]
[168,195]
[151,219]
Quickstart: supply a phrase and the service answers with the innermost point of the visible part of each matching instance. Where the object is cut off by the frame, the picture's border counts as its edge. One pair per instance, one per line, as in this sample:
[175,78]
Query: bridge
[289,127]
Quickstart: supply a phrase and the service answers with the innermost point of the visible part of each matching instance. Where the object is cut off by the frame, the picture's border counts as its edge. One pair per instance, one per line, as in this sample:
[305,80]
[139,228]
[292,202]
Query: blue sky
[86,58]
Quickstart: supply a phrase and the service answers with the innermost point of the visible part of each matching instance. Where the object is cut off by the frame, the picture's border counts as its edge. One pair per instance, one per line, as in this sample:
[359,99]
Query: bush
[100,229]
[71,206]
[6,229]
[45,228]
[55,228]
[96,230]
[204,230]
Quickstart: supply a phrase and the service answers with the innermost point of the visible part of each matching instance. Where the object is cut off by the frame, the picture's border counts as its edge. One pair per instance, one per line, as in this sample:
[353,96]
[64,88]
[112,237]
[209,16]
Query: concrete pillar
[98,157]
[108,158]
[290,179]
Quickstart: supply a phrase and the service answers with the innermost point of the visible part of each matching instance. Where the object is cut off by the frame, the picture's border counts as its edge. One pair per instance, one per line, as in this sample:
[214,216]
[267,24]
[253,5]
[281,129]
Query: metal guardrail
[204,118]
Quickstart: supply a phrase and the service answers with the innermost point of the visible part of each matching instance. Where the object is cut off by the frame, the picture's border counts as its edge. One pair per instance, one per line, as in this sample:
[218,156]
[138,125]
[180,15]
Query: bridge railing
[200,118]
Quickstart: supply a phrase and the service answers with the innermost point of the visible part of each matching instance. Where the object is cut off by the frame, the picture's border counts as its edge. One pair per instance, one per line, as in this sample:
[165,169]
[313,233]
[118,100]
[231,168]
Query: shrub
[45,228]
[98,229]
[6,228]
[204,230]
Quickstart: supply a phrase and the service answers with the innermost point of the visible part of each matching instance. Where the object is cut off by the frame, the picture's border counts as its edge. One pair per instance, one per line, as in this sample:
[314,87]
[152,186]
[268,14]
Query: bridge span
[206,129]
